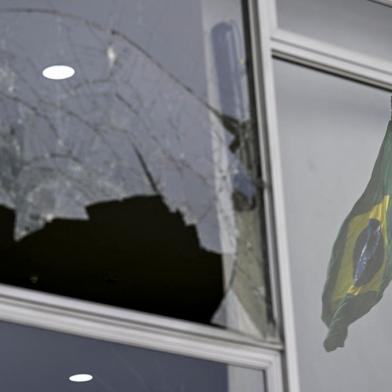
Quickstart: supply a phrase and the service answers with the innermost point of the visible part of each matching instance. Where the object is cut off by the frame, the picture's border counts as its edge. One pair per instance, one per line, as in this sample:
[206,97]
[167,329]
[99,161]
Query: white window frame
[107,323]
[278,43]
[323,56]
[263,23]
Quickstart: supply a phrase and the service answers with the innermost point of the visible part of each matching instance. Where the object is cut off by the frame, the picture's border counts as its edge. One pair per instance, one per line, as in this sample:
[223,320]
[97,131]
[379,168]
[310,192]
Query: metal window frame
[263,22]
[278,43]
[107,323]
[322,56]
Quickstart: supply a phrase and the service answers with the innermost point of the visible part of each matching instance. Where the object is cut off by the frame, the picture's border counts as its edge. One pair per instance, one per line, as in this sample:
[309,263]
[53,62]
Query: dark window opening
[134,254]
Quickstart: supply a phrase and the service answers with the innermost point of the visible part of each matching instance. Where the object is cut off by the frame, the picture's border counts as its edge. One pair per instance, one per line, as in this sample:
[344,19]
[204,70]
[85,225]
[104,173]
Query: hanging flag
[360,267]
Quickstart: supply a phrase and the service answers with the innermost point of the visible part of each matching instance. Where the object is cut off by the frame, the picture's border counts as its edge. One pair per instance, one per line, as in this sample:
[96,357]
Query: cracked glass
[156,124]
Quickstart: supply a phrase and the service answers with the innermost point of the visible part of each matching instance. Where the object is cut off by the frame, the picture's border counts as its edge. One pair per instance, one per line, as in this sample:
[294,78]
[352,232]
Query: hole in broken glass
[134,253]
[127,128]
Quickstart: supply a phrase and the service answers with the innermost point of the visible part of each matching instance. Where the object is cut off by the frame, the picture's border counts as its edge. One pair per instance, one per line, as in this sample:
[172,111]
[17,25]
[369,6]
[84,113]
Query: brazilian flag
[360,267]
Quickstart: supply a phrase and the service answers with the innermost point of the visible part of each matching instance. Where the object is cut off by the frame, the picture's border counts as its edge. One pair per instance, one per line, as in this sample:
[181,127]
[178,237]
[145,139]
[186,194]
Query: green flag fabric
[360,267]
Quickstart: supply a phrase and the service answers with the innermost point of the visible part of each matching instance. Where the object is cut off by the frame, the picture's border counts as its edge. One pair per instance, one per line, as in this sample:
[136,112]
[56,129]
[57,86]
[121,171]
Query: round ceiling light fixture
[81,378]
[58,72]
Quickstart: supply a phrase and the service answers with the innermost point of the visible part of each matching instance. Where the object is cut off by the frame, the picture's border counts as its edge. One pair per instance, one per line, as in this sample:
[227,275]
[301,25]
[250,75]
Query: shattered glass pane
[151,111]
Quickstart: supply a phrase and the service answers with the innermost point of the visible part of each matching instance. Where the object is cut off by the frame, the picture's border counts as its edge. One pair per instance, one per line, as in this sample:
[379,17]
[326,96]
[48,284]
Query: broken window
[136,181]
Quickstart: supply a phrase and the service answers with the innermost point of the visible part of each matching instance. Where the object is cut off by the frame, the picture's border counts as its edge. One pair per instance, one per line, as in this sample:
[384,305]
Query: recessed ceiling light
[81,378]
[58,72]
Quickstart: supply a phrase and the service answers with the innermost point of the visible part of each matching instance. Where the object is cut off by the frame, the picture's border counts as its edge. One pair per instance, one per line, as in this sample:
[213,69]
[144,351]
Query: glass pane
[331,131]
[362,26]
[133,180]
[41,361]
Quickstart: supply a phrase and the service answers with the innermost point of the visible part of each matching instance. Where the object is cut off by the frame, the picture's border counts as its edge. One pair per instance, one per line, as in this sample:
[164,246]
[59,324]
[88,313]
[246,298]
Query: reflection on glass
[359,269]
[330,130]
[361,26]
[39,360]
[134,179]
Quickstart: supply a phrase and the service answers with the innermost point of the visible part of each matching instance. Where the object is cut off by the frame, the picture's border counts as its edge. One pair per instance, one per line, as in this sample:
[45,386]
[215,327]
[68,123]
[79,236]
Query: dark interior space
[134,254]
